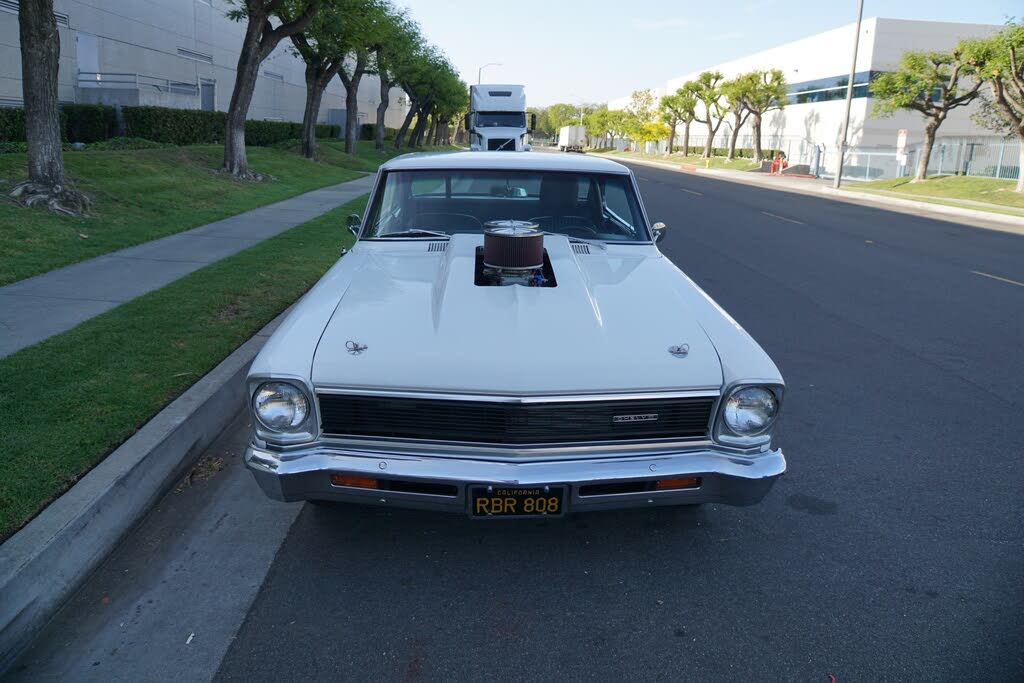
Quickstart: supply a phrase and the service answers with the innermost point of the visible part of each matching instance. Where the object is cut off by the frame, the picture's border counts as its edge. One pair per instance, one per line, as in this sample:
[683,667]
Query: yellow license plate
[516,501]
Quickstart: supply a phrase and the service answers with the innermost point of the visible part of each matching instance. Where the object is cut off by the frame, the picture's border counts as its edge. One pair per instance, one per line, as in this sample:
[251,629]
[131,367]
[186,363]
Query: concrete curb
[45,562]
[978,218]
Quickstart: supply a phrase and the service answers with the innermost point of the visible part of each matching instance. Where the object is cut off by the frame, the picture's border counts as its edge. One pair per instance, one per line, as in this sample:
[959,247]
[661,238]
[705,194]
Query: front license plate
[516,501]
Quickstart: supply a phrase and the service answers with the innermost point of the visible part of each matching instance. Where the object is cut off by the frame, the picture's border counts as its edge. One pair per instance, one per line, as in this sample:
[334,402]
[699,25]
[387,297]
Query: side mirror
[533,122]
[659,230]
[353,223]
[465,122]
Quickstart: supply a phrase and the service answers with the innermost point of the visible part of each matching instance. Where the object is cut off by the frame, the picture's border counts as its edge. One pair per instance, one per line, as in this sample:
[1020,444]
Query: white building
[173,53]
[817,69]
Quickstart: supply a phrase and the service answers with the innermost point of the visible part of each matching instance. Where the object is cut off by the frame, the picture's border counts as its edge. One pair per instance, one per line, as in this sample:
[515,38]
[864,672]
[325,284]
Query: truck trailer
[572,138]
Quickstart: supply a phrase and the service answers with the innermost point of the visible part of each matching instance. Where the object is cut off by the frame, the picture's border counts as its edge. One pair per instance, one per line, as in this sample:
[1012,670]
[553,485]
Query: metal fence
[983,156]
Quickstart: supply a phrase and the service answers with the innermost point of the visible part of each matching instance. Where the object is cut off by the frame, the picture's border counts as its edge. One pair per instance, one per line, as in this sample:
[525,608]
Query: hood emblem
[680,351]
[355,348]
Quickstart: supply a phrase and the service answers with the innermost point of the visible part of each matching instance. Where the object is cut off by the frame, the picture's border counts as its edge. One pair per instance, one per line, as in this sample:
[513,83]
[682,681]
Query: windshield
[500,119]
[593,206]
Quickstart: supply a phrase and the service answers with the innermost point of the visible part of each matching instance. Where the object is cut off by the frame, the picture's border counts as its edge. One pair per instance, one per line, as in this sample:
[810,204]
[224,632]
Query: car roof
[518,161]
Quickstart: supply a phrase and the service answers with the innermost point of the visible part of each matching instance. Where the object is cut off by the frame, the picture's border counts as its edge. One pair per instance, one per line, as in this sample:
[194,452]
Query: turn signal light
[678,483]
[354,481]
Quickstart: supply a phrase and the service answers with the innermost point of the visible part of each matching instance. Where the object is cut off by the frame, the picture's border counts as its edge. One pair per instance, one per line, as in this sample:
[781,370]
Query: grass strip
[67,402]
[144,194]
[969,192]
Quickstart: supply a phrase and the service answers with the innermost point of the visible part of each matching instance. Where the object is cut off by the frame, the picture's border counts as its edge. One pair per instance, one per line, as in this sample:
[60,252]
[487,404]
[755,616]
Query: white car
[506,339]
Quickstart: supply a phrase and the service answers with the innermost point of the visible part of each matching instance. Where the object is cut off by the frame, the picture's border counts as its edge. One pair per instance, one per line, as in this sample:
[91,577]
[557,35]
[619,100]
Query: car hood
[606,327]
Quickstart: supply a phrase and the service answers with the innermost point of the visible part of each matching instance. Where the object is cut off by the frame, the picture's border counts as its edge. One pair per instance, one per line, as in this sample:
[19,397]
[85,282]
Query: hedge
[90,122]
[193,126]
[12,125]
[368,131]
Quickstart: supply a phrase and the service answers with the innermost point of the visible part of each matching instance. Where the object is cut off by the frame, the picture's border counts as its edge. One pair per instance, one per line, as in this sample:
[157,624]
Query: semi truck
[497,119]
[572,138]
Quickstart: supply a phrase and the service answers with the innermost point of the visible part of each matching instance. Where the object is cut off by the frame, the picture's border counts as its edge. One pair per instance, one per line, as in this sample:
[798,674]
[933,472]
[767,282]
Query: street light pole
[849,97]
[480,71]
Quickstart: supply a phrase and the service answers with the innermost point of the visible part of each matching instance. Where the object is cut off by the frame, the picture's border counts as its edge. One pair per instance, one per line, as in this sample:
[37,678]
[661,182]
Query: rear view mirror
[533,122]
[659,230]
[353,223]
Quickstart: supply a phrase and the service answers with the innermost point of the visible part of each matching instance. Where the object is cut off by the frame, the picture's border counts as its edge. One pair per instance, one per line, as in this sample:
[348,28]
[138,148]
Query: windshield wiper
[416,232]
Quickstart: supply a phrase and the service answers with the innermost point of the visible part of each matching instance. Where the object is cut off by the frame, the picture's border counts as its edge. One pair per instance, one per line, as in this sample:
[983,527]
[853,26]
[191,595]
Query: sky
[572,51]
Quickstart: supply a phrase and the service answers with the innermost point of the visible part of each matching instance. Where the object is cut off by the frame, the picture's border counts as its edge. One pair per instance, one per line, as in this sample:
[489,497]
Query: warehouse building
[172,53]
[817,69]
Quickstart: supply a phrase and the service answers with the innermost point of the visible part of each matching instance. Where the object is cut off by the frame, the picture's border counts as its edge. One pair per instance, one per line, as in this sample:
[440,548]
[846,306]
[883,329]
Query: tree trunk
[382,110]
[756,125]
[432,131]
[400,138]
[315,85]
[926,151]
[671,136]
[235,161]
[40,55]
[686,138]
[351,84]
[417,132]
[737,124]
[711,140]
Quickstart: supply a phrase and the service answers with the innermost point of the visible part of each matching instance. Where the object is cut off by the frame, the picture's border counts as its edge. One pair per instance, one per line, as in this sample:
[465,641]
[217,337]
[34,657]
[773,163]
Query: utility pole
[849,97]
[480,71]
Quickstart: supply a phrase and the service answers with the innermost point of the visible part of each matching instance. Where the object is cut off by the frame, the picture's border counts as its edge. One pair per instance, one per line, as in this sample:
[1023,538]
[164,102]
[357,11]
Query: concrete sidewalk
[39,307]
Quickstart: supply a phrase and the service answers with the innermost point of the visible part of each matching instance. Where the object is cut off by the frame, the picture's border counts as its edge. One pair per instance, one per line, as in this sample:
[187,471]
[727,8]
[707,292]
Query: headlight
[750,411]
[280,407]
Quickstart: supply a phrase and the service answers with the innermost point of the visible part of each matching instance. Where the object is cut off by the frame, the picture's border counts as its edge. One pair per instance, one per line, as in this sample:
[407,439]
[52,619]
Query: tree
[396,45]
[931,83]
[765,90]
[543,120]
[321,47]
[675,109]
[708,91]
[261,37]
[40,55]
[639,113]
[734,91]
[999,62]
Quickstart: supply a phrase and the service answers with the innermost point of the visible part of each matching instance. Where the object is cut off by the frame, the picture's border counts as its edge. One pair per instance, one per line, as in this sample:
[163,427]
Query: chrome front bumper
[305,474]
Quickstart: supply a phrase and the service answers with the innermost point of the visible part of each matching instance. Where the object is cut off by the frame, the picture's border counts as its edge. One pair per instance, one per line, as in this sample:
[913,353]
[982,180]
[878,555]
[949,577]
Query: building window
[12,6]
[273,75]
[197,56]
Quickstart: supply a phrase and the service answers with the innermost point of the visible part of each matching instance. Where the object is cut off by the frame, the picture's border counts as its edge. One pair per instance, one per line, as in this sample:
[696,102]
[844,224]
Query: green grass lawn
[679,159]
[141,195]
[947,189]
[67,402]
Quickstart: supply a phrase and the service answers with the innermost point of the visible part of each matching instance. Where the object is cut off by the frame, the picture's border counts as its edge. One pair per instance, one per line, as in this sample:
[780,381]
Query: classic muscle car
[506,339]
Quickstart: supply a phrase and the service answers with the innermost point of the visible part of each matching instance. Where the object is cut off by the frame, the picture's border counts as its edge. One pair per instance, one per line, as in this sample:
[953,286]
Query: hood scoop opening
[513,254]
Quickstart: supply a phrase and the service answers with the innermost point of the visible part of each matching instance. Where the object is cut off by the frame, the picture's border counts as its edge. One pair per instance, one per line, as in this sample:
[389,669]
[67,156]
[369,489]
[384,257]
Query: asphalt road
[893,549]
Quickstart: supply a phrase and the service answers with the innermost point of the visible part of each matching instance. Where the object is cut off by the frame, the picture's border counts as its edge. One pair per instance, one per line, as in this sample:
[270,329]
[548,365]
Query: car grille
[515,423]
[503,144]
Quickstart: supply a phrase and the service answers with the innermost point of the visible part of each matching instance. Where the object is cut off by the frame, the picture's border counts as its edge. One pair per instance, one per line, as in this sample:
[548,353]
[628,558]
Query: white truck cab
[497,119]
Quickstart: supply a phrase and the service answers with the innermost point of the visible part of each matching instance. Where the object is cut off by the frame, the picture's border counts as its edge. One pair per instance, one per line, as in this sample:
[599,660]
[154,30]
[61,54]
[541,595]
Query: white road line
[782,218]
[699,194]
[996,277]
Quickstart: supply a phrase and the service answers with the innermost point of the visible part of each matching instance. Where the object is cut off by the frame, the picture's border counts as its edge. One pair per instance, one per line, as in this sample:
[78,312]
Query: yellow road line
[996,277]
[782,218]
